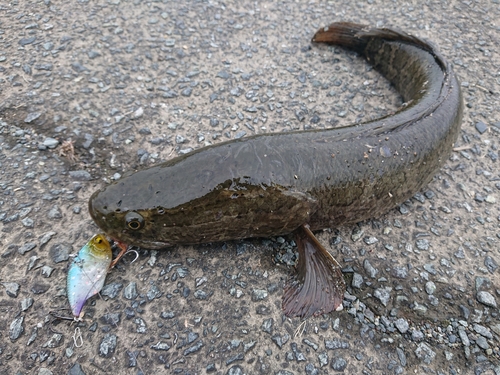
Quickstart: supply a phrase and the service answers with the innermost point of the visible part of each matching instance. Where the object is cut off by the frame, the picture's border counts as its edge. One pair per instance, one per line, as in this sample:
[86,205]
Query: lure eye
[134,221]
[100,243]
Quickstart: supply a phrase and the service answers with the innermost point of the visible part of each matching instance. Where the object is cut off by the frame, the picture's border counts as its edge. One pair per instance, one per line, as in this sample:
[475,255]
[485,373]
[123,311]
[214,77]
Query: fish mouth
[154,245]
[143,244]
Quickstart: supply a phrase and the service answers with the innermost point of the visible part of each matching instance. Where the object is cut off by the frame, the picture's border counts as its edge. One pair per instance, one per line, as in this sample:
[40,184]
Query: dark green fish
[298,182]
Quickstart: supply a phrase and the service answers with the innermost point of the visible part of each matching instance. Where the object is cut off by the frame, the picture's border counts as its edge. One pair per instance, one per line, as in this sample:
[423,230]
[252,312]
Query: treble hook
[132,251]
[124,250]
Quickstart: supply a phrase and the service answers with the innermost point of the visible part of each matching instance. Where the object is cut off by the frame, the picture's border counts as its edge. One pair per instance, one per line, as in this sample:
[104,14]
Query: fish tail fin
[345,34]
[318,286]
[355,36]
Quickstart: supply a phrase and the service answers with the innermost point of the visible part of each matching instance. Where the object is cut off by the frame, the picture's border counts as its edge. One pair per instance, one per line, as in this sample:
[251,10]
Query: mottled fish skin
[298,182]
[87,272]
[271,184]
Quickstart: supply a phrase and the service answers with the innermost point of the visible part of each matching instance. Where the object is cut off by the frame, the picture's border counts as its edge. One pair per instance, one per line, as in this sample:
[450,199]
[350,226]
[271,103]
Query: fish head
[135,218]
[151,208]
[123,222]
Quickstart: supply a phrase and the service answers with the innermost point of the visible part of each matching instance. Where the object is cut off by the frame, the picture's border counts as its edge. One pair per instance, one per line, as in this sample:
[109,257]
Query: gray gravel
[91,90]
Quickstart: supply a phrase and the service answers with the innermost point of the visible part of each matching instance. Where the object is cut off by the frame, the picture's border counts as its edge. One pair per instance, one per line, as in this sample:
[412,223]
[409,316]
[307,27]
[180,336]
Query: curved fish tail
[345,34]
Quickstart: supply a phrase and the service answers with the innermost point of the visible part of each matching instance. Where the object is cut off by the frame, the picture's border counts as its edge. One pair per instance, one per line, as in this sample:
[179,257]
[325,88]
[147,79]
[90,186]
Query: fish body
[274,184]
[87,272]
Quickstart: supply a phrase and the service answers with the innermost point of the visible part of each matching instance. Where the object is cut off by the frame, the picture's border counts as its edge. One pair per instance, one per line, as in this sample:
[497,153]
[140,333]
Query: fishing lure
[88,271]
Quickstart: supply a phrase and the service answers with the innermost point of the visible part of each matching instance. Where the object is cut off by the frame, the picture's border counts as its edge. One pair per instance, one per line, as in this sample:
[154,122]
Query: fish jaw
[87,274]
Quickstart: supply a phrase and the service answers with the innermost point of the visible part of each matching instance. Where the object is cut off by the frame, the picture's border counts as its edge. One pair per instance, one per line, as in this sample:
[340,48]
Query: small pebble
[486,299]
[481,127]
[402,356]
[108,345]
[130,291]
[16,328]
[370,240]
[338,364]
[160,346]
[357,234]
[193,349]
[267,326]
[383,295]
[463,337]
[357,280]
[112,290]
[26,41]
[138,113]
[430,287]
[55,213]
[425,353]
[12,289]
[55,340]
[417,336]
[26,303]
[47,271]
[235,370]
[76,369]
[323,359]
[402,325]
[370,270]
[259,295]
[45,238]
[421,309]
[482,343]
[32,116]
[26,247]
[336,344]
[60,252]
[280,340]
[80,175]
[50,142]
[483,331]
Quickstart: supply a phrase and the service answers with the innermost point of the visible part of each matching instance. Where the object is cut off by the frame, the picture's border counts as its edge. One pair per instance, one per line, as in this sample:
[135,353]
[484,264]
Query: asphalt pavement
[90,90]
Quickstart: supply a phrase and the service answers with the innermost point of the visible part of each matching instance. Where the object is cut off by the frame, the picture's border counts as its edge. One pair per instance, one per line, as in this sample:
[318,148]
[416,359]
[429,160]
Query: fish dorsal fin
[317,287]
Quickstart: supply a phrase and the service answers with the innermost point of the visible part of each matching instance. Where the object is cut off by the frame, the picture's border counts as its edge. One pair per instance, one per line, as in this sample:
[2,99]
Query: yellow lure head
[99,247]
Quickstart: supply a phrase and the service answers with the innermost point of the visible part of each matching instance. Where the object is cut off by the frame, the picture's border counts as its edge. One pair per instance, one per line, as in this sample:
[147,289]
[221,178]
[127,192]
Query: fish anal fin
[317,286]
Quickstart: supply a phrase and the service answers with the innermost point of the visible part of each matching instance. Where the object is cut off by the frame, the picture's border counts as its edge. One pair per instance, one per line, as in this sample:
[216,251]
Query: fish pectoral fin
[317,286]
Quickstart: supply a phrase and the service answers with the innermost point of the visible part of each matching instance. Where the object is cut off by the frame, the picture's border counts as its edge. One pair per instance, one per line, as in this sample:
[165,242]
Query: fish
[87,272]
[303,181]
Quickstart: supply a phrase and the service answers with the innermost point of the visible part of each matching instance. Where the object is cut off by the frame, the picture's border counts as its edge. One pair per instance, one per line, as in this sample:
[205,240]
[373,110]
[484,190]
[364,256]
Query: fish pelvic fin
[317,286]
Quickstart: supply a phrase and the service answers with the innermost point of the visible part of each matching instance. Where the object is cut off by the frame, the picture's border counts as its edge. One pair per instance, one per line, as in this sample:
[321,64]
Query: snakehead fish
[87,272]
[299,182]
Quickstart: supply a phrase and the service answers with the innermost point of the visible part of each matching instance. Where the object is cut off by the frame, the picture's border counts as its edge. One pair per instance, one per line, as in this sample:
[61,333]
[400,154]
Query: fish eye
[134,221]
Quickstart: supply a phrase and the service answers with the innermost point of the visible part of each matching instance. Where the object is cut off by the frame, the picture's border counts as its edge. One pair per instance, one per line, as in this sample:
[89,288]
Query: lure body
[87,272]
